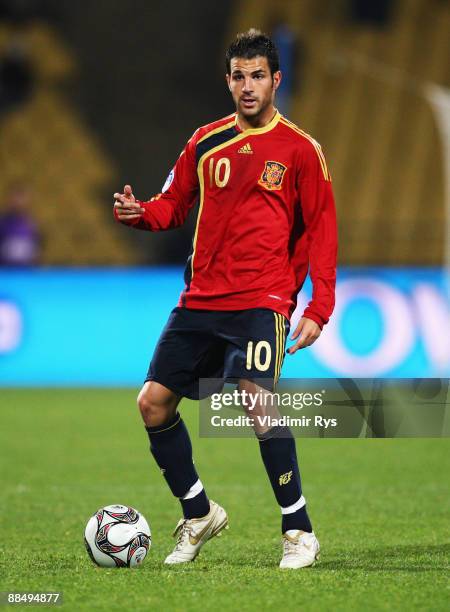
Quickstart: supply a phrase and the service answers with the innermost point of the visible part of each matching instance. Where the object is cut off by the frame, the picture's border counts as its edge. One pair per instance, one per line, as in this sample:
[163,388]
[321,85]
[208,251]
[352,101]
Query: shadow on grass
[404,558]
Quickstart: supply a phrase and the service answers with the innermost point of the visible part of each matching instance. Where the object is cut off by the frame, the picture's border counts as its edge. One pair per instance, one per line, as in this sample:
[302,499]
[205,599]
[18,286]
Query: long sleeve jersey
[266,216]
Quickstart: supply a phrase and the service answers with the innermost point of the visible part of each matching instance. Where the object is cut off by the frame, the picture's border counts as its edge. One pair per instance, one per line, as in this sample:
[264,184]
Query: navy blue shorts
[227,345]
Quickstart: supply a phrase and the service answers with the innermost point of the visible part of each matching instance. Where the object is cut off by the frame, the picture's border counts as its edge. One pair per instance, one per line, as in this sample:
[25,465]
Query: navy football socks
[171,447]
[277,447]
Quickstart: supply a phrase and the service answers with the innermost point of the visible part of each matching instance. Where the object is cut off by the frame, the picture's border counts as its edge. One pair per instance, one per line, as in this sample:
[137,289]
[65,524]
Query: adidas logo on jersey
[246,148]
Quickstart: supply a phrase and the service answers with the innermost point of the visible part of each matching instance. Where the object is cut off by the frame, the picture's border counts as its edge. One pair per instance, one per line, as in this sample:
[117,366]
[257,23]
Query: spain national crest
[272,176]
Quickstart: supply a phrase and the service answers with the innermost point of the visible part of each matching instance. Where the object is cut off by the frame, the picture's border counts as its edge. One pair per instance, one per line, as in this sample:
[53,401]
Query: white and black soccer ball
[117,536]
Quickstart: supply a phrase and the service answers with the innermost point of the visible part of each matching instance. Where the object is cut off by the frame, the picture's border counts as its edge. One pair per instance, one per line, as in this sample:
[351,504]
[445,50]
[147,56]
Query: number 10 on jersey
[221,174]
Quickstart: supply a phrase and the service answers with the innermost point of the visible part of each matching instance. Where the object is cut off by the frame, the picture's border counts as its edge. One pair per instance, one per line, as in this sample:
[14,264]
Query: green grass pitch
[379,508]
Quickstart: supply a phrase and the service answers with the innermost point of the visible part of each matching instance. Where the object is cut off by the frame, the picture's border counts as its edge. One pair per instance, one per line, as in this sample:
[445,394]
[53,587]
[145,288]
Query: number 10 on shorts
[254,357]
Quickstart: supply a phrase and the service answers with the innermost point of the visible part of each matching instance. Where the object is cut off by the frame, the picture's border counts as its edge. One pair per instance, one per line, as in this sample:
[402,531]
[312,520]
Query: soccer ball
[117,536]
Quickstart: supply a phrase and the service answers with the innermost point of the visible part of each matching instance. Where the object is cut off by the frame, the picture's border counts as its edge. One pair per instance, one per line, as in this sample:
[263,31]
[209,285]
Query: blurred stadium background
[95,95]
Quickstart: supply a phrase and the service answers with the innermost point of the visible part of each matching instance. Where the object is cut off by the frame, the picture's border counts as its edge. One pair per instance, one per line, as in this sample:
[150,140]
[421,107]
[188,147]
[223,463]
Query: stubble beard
[254,113]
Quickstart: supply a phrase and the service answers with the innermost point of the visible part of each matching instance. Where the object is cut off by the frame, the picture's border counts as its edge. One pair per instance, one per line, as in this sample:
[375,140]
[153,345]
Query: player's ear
[276,79]
[228,78]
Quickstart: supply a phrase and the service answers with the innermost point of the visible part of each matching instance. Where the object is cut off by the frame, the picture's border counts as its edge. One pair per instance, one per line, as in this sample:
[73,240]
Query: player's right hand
[125,206]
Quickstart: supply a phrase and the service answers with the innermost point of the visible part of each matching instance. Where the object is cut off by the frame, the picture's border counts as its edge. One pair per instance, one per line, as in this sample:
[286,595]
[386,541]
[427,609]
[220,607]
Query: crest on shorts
[272,176]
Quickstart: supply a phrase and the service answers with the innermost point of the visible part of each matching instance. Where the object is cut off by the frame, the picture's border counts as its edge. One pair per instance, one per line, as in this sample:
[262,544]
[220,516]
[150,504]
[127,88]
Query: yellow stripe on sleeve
[315,144]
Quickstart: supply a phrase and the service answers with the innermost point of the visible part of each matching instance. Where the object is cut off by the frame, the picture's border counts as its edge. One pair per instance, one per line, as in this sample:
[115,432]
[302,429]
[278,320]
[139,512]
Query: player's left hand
[307,333]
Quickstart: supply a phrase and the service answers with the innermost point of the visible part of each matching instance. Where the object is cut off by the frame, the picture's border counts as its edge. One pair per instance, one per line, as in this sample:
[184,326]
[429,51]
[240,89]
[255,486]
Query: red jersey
[266,215]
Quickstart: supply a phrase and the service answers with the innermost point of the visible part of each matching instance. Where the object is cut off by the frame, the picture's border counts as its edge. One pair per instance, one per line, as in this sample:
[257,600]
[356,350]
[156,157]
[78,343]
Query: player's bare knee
[155,405]
[148,405]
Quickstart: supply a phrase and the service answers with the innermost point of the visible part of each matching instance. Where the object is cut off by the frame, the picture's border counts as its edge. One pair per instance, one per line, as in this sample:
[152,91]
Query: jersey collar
[266,128]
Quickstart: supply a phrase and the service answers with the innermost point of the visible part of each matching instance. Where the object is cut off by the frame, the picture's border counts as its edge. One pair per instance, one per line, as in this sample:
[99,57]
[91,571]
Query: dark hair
[250,44]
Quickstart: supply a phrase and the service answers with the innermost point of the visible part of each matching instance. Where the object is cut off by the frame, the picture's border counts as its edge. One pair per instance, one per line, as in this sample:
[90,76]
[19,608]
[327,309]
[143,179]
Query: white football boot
[193,533]
[300,549]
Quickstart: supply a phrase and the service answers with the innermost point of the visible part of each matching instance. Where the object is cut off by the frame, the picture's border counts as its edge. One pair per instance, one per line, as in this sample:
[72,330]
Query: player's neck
[261,120]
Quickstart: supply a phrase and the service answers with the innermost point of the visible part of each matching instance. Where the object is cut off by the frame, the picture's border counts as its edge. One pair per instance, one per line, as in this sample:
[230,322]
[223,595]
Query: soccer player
[266,214]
